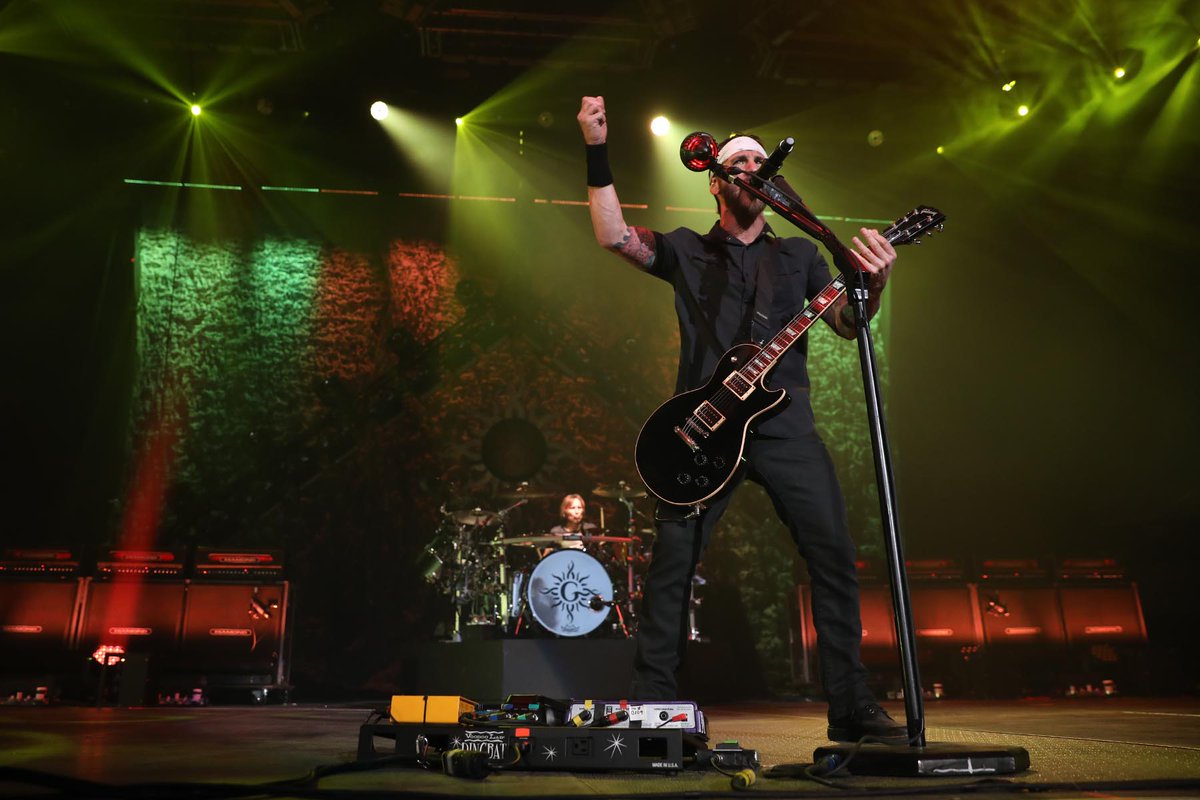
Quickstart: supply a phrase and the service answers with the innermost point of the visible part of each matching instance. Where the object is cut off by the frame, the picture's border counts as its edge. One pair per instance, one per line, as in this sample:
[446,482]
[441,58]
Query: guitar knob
[702,481]
[700,459]
[718,463]
[683,478]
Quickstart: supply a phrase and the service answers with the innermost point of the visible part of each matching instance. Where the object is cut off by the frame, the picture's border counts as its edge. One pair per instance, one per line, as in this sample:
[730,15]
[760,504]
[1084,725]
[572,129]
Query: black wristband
[598,172]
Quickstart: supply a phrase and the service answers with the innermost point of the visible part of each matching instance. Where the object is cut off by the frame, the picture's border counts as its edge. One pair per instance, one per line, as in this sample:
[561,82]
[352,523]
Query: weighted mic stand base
[931,760]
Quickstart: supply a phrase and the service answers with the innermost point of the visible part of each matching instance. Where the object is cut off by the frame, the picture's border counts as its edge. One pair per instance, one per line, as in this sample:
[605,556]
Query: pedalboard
[535,747]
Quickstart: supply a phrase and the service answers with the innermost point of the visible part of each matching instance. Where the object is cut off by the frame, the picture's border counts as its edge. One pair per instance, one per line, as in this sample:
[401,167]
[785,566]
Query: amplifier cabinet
[945,616]
[235,629]
[38,620]
[1102,613]
[1016,616]
[140,615]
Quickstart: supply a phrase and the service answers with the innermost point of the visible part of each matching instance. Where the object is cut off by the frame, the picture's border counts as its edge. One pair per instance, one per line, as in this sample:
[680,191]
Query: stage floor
[1081,747]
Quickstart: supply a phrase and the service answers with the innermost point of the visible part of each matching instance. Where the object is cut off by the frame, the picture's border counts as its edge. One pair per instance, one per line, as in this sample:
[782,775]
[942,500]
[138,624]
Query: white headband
[737,144]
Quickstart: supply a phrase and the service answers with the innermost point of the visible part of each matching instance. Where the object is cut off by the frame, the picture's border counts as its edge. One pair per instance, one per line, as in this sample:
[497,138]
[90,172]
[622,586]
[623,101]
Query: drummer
[573,528]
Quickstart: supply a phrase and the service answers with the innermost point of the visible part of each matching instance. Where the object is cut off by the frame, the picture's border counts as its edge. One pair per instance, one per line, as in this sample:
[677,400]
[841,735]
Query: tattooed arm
[633,243]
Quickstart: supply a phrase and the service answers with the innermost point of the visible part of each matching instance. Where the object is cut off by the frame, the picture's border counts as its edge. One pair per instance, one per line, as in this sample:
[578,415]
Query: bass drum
[560,592]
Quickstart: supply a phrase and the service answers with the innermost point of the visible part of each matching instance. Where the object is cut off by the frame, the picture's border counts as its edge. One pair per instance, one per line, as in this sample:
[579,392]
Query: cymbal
[619,490]
[522,493]
[531,540]
[475,516]
[617,539]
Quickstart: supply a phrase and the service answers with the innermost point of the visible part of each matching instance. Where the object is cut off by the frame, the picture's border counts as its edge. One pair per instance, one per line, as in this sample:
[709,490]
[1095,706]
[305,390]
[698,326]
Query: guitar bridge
[689,441]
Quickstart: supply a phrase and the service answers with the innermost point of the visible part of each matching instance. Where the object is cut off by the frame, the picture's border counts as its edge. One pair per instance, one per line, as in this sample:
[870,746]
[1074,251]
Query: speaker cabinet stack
[1021,627]
[178,630]
[135,602]
[946,622]
[1103,625]
[40,607]
[235,628]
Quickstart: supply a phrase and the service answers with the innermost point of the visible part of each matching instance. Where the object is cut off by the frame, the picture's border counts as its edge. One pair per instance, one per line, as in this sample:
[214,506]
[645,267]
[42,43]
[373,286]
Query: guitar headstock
[921,221]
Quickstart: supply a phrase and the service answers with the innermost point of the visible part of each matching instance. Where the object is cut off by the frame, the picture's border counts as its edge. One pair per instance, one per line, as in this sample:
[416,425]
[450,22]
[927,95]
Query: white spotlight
[660,126]
[379,109]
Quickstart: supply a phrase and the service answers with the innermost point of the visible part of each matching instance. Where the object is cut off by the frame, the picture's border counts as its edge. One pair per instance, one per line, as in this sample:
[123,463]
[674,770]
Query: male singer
[716,277]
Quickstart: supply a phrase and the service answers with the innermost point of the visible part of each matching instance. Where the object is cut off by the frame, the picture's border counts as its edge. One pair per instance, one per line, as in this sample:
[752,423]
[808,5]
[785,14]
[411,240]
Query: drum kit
[539,583]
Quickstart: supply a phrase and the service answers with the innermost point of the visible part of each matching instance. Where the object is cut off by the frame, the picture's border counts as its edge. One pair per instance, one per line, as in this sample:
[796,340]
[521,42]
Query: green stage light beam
[424,142]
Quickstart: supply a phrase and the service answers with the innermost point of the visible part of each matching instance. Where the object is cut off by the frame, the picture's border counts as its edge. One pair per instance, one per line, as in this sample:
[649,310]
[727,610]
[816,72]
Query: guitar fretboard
[773,350]
[777,347]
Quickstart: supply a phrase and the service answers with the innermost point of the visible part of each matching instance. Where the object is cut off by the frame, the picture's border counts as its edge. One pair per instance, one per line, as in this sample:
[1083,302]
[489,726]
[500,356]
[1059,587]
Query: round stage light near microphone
[660,126]
[698,150]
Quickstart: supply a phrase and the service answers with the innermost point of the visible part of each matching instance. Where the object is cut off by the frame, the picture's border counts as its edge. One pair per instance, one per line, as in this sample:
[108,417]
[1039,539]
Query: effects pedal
[678,714]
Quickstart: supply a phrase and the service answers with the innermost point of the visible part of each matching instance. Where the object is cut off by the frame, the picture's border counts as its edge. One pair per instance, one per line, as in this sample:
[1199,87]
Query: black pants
[800,480]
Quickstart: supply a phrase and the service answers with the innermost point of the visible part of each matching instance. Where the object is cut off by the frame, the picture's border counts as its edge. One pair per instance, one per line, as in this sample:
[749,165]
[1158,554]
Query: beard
[744,205]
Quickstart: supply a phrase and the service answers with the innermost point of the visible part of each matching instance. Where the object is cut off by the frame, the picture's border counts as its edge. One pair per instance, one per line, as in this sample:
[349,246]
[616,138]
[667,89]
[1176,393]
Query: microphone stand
[919,759]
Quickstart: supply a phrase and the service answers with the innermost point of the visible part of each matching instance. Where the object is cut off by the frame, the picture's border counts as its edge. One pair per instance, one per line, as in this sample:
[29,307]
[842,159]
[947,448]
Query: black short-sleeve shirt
[721,273]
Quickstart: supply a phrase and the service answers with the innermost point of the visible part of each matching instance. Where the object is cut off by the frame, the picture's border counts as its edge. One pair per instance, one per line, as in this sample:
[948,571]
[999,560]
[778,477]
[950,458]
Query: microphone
[775,160]
[698,151]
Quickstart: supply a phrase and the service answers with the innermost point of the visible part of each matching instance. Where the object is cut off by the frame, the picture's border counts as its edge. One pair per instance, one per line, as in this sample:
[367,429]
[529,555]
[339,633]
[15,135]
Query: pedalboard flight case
[535,747]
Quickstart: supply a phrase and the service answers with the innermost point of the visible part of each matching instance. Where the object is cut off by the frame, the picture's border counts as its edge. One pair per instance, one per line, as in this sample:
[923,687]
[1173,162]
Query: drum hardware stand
[631,532]
[468,544]
[520,615]
[597,602]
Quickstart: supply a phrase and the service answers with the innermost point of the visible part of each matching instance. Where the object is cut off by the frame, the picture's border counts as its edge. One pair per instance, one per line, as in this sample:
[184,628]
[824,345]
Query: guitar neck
[773,350]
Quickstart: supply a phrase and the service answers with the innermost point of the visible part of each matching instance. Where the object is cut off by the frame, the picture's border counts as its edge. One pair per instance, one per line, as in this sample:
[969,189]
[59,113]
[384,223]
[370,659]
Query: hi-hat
[619,490]
[475,516]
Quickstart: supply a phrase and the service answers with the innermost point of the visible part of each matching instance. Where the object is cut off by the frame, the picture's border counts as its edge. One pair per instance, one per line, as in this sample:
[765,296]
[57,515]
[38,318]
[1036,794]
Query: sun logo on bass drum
[569,591]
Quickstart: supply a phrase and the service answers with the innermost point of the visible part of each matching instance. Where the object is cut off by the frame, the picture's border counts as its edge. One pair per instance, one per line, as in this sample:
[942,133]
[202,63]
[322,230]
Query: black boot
[868,721]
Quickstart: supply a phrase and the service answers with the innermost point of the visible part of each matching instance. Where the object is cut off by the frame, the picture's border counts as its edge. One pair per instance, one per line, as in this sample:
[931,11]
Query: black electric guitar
[691,446]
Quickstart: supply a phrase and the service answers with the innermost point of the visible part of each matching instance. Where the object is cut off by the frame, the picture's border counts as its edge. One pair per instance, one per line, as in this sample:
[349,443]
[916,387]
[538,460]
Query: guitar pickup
[737,384]
[689,441]
[709,416]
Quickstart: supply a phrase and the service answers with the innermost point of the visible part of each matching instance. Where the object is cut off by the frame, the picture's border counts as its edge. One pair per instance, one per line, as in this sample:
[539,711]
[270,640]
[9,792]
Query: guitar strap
[764,293]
